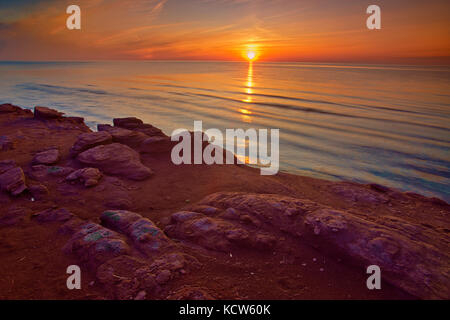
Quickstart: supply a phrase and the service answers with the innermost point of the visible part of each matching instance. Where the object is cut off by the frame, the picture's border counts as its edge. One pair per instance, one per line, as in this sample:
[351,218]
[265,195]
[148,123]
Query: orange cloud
[282,30]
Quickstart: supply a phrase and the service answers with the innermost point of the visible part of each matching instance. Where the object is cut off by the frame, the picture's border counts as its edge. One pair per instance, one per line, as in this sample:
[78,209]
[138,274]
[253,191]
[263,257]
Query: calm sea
[382,124]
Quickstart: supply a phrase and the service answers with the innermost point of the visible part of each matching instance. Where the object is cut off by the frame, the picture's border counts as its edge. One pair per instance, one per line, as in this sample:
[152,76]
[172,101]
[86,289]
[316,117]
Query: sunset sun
[251,55]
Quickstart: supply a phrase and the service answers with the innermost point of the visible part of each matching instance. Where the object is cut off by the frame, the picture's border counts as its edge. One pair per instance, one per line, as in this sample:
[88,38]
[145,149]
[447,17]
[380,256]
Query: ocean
[365,123]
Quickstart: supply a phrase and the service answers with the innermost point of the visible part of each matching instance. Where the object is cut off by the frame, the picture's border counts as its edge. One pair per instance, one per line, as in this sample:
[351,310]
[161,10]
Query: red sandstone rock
[45,113]
[145,235]
[90,140]
[116,159]
[128,123]
[130,138]
[88,176]
[216,233]
[47,157]
[136,124]
[412,256]
[94,244]
[9,108]
[12,180]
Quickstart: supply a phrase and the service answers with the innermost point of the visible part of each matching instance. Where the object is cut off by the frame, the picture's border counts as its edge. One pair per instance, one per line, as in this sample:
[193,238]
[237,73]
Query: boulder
[94,244]
[89,140]
[12,178]
[128,123]
[138,125]
[78,120]
[44,113]
[130,138]
[145,235]
[9,108]
[47,157]
[88,176]
[116,159]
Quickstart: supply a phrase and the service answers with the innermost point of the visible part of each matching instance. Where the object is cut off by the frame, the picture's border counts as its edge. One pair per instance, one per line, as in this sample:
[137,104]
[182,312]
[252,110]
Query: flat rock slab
[47,157]
[116,159]
[45,113]
[136,124]
[89,140]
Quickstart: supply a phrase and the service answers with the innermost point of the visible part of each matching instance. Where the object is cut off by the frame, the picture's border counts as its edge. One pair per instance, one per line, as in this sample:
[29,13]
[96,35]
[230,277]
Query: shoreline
[211,226]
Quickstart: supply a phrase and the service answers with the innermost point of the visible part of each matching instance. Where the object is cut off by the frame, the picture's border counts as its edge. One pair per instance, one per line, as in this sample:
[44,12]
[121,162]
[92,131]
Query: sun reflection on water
[245,113]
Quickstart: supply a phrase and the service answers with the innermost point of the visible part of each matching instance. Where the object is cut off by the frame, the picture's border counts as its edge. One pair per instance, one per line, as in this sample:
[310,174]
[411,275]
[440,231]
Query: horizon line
[234,61]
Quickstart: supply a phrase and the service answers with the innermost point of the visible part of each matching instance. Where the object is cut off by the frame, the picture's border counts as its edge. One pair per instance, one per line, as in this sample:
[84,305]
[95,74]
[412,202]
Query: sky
[413,31]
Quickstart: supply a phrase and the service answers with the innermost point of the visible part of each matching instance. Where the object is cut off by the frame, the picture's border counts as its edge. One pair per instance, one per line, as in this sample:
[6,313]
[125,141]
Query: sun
[251,55]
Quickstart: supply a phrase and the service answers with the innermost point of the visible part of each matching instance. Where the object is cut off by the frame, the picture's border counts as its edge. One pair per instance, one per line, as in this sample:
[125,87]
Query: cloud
[221,29]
